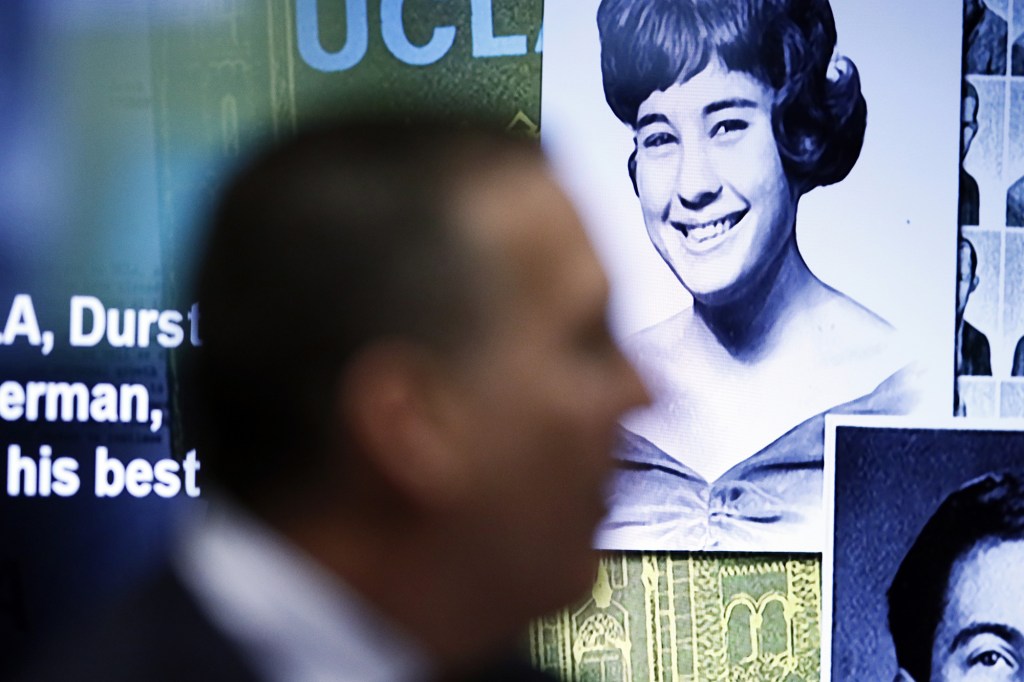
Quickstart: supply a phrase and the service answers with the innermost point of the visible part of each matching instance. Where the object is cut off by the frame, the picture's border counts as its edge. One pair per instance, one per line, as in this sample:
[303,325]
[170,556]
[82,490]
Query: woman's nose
[698,183]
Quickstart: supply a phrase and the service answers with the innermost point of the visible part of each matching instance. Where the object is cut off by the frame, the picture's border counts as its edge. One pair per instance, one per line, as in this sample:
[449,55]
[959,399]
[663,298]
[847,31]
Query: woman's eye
[658,139]
[728,126]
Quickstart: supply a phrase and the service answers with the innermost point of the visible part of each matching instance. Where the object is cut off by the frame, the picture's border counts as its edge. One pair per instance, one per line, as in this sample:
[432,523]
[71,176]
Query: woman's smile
[708,232]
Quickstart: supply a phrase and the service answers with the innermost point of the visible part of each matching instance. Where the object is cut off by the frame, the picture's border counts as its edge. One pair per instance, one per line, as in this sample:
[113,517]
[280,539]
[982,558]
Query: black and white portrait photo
[968,129]
[1014,180]
[928,548]
[973,356]
[763,195]
[982,123]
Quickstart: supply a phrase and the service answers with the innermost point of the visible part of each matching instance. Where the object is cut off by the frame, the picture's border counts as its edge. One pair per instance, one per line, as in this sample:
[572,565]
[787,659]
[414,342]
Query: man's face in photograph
[967,280]
[981,633]
[968,122]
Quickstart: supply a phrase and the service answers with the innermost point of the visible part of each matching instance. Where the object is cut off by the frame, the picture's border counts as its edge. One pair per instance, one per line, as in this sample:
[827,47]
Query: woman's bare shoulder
[856,350]
[658,351]
[848,330]
[660,340]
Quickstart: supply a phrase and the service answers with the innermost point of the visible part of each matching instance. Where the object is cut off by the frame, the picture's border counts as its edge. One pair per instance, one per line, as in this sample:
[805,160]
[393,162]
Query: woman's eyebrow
[733,102]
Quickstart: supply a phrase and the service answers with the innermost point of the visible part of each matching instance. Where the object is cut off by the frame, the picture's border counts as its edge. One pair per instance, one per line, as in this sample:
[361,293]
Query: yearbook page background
[885,235]
[991,378]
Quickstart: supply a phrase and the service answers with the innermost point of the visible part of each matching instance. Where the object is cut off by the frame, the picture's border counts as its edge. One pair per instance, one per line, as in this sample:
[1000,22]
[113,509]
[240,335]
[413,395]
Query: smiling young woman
[738,108]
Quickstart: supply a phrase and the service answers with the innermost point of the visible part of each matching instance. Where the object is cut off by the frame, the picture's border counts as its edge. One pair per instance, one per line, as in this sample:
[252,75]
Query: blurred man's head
[956,604]
[967,275]
[404,340]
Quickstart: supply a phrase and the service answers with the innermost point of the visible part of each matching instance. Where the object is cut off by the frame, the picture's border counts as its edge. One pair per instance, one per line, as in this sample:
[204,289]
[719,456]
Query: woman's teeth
[709,230]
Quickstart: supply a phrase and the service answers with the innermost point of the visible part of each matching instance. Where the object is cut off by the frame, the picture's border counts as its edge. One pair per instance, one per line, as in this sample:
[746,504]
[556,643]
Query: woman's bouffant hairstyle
[819,113]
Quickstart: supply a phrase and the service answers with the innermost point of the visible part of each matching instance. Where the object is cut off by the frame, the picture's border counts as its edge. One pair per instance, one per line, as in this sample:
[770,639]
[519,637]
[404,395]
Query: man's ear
[396,412]
[974,284]
[902,676]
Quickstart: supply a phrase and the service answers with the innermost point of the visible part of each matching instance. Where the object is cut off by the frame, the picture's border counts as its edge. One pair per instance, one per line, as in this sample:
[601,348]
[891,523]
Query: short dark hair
[818,118]
[988,508]
[343,235]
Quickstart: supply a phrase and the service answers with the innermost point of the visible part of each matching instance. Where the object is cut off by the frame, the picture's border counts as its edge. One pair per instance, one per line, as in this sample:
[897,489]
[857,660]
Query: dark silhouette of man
[956,604]
[984,39]
[407,395]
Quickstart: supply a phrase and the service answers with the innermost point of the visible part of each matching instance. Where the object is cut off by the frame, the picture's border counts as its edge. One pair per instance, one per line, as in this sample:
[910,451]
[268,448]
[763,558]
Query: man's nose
[698,183]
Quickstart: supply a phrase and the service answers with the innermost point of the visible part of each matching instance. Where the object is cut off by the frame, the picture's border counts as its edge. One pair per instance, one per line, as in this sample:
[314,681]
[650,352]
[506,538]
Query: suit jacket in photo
[969,200]
[976,358]
[985,44]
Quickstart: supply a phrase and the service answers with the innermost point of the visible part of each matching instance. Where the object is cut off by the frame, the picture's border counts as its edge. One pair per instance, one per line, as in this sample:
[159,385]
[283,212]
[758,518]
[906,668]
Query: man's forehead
[986,584]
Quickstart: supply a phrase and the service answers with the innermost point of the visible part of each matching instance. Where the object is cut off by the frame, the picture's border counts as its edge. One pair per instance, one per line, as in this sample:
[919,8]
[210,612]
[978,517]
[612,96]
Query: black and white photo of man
[973,356]
[969,199]
[956,604]
[895,586]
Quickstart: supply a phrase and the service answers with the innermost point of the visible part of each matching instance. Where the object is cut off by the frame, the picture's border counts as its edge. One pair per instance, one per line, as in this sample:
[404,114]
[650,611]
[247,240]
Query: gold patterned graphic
[689,618]
[521,123]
